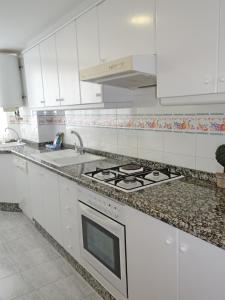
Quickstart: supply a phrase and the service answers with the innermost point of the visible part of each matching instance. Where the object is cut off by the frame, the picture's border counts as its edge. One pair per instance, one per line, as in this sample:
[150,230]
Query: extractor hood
[131,72]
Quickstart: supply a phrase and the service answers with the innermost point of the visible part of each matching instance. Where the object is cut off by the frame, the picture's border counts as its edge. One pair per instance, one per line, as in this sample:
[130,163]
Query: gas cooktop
[132,177]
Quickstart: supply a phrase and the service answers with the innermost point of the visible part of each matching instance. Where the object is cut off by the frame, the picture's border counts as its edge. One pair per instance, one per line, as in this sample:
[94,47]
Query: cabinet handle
[98,94]
[183,248]
[42,102]
[208,80]
[222,79]
[169,241]
[59,99]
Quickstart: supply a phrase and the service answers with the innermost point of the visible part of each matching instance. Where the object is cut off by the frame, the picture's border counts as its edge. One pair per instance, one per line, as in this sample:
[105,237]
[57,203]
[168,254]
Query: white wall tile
[206,145]
[180,143]
[186,161]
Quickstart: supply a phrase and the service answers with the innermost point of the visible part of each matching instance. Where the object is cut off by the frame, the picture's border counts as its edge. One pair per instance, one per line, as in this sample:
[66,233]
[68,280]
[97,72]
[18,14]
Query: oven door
[103,246]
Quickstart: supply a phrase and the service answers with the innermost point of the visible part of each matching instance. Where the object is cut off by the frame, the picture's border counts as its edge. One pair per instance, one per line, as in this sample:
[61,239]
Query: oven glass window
[102,244]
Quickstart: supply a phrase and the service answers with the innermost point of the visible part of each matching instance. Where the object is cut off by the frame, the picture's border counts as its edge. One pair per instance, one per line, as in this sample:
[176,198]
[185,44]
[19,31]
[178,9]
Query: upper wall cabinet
[126,27]
[66,49]
[187,47]
[88,53]
[33,74]
[50,71]
[221,77]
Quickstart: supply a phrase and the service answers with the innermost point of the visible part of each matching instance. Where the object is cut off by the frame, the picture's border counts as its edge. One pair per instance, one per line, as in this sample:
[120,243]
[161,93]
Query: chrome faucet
[79,149]
[13,130]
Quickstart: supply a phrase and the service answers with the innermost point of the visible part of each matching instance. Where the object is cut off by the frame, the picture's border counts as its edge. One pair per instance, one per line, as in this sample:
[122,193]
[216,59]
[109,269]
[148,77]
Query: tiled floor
[31,269]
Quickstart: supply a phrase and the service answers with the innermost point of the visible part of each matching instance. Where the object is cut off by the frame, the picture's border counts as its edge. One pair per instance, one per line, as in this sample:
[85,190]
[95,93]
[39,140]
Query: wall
[181,135]
[36,126]
[185,136]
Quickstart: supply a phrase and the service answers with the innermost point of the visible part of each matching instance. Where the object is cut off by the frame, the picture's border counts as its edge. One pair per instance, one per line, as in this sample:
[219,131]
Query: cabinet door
[201,269]
[45,200]
[88,54]
[51,205]
[66,48]
[36,185]
[50,72]
[187,46]
[22,186]
[151,258]
[69,213]
[33,75]
[8,194]
[126,28]
[221,77]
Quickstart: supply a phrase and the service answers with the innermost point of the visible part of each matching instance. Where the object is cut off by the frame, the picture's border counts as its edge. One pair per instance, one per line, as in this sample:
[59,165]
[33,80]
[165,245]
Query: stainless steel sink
[67,157]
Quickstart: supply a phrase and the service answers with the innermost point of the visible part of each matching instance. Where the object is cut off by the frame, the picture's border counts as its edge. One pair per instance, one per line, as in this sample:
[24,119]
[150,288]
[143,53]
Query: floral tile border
[211,123]
[202,123]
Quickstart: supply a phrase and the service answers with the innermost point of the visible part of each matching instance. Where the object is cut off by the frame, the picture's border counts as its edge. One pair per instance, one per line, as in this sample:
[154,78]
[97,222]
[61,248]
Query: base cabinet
[45,200]
[201,269]
[22,186]
[69,214]
[8,180]
[151,258]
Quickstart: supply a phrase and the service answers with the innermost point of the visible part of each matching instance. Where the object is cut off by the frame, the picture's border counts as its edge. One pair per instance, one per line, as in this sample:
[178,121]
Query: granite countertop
[192,205]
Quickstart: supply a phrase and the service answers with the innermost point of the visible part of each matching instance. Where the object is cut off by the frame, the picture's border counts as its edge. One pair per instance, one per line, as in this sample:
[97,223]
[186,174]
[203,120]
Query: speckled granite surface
[192,205]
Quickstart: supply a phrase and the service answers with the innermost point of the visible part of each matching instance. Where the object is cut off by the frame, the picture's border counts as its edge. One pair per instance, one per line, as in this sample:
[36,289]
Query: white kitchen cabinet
[66,48]
[50,71]
[36,190]
[22,186]
[8,180]
[201,269]
[221,69]
[88,54]
[151,258]
[45,200]
[33,76]
[126,27]
[69,214]
[187,47]
[51,204]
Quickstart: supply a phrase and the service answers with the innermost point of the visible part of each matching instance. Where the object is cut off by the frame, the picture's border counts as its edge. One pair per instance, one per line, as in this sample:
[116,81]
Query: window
[3,122]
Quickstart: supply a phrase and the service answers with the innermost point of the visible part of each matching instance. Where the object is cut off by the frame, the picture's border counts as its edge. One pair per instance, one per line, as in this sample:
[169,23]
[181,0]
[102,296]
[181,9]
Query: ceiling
[22,20]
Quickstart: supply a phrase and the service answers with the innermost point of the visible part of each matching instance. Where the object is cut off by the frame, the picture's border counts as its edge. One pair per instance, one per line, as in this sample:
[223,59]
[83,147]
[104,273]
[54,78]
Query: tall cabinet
[50,71]
[33,74]
[88,53]
[126,28]
[187,47]
[66,49]
[221,69]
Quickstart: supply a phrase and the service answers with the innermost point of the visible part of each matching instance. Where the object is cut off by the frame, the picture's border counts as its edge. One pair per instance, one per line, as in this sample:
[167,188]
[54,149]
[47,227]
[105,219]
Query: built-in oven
[102,235]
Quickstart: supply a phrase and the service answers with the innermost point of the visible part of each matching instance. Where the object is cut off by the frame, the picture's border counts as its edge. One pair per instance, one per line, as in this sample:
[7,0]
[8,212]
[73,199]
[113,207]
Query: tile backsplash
[177,136]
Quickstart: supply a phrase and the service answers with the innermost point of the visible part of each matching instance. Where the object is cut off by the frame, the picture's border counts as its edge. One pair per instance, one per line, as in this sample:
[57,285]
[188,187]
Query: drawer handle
[42,102]
[183,248]
[169,241]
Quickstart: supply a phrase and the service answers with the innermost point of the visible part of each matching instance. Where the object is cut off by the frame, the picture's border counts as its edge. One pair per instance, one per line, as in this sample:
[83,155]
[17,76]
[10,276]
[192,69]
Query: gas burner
[132,177]
[131,169]
[129,183]
[104,175]
[157,176]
